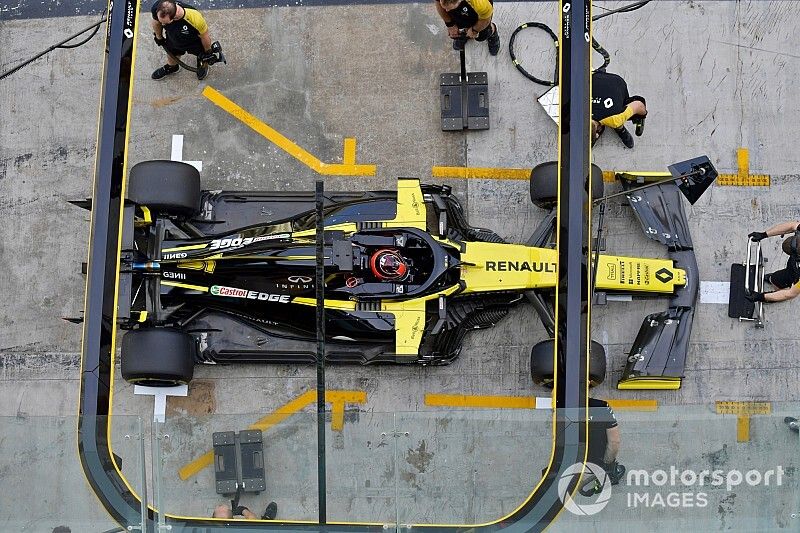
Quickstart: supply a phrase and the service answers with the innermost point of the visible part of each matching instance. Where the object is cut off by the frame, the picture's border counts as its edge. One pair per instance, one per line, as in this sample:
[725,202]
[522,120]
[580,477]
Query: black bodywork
[255,324]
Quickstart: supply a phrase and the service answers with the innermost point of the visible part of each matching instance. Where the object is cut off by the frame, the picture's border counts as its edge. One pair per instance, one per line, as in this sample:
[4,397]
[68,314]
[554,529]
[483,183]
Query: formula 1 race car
[229,277]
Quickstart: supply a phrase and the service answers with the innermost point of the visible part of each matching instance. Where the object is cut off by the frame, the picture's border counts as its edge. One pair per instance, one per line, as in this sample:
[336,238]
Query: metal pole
[319,285]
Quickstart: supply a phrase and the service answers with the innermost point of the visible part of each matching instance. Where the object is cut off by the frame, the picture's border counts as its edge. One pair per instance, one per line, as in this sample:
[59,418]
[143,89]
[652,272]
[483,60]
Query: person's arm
[618,120]
[158,29]
[206,40]
[612,448]
[782,228]
[782,294]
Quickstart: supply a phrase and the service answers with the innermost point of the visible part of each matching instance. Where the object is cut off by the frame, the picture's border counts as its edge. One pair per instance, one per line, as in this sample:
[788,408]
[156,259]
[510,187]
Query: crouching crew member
[612,107]
[179,28]
[786,280]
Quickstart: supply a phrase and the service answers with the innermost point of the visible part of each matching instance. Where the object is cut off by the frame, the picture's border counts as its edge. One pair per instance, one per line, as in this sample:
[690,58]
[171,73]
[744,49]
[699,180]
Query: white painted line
[177,153]
[544,402]
[715,292]
[160,398]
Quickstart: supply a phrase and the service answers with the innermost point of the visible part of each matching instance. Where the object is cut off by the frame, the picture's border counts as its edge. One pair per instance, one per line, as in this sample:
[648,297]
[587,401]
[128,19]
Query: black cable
[62,44]
[600,50]
[524,72]
[624,9]
[89,38]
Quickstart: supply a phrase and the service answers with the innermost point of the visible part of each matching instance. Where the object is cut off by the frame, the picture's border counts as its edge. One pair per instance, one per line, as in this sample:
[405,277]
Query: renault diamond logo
[664,275]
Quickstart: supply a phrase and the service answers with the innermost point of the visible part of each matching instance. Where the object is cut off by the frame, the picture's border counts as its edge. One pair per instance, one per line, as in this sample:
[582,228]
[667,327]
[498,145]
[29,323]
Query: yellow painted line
[743,178]
[289,146]
[742,428]
[743,408]
[488,402]
[349,157]
[337,398]
[743,162]
[521,402]
[743,411]
[634,405]
[481,173]
[752,180]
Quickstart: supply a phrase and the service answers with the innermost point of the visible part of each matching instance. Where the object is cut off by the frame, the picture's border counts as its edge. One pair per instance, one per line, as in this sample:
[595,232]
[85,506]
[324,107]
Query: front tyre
[169,188]
[158,357]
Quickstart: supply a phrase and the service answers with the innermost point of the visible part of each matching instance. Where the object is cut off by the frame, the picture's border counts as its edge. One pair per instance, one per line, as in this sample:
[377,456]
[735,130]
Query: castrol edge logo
[233,292]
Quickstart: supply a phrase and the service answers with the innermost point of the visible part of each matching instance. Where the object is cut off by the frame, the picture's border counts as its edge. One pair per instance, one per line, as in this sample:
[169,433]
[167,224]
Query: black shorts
[786,277]
[177,50]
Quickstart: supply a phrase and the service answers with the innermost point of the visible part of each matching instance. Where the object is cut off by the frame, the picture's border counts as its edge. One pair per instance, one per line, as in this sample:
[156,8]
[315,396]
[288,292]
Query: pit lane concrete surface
[456,444]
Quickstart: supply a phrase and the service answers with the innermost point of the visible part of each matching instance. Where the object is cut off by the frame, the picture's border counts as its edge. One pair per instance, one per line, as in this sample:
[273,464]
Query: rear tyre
[158,357]
[544,184]
[543,372]
[167,187]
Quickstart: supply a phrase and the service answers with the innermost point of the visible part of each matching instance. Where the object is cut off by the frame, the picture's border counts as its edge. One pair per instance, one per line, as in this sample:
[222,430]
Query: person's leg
[780,279]
[222,511]
[489,34]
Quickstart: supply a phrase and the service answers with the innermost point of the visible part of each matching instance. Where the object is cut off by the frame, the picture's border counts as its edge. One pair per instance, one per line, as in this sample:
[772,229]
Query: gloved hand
[207,57]
[239,511]
[758,235]
[159,41]
[756,296]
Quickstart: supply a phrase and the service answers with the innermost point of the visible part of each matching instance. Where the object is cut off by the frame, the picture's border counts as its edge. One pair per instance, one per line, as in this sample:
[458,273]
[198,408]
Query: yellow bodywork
[504,267]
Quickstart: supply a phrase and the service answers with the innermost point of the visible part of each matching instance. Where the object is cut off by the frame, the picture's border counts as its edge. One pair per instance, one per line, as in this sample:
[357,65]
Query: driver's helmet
[388,265]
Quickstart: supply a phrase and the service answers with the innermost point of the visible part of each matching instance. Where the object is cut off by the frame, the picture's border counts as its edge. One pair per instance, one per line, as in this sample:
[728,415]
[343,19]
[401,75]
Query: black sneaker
[202,69]
[163,72]
[792,423]
[625,136]
[270,512]
[494,41]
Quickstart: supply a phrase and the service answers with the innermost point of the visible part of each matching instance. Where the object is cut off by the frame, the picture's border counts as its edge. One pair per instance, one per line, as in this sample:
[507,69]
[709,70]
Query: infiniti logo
[299,279]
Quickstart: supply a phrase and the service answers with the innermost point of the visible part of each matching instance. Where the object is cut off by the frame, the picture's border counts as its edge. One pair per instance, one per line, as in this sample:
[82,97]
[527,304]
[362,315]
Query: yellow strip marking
[743,408]
[336,397]
[521,402]
[488,402]
[185,286]
[743,162]
[742,428]
[743,178]
[634,405]
[743,411]
[349,157]
[481,173]
[286,144]
[184,248]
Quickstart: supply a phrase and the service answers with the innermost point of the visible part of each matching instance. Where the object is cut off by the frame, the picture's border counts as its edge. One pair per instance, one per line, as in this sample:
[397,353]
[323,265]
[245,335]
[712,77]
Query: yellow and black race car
[229,277]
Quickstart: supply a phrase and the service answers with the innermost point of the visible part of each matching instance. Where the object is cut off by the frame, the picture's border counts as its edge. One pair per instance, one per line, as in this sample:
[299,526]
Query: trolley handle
[755,258]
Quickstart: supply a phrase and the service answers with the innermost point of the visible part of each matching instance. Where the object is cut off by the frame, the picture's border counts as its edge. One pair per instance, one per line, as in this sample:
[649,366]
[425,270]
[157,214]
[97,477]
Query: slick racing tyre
[542,370]
[169,188]
[158,357]
[544,184]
